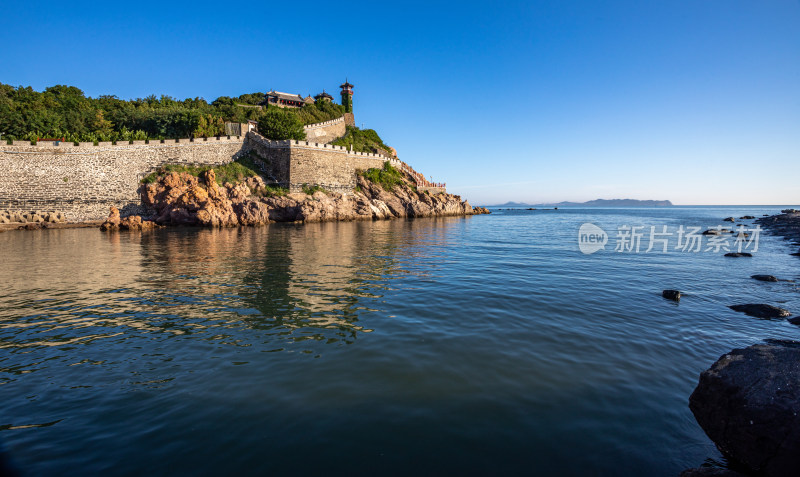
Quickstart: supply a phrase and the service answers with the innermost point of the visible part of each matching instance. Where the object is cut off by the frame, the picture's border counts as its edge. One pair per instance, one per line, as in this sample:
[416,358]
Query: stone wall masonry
[326,131]
[84,181]
[297,163]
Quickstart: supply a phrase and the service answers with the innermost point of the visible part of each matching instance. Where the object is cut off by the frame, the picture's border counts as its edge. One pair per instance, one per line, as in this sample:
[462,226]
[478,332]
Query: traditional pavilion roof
[346,84]
[285,96]
[324,95]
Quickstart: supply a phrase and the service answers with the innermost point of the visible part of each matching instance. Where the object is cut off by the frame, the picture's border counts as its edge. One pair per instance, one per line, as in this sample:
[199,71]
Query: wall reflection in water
[288,283]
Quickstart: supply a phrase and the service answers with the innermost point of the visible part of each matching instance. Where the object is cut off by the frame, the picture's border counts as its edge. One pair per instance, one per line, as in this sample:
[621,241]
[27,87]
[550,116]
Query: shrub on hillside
[388,177]
[362,140]
[277,124]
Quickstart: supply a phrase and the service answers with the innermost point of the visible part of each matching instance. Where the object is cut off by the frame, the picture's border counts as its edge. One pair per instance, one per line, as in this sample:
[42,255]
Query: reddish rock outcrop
[181,199]
[134,222]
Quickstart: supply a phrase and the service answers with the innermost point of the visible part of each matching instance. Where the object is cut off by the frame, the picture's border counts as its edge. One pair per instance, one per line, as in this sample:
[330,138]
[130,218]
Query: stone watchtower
[347,97]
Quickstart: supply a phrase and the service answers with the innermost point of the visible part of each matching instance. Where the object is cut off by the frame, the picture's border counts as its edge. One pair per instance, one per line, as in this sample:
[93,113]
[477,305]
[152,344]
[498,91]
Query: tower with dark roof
[347,96]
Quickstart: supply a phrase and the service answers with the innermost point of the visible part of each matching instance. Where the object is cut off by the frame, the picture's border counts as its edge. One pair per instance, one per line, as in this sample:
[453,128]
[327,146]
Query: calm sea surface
[487,345]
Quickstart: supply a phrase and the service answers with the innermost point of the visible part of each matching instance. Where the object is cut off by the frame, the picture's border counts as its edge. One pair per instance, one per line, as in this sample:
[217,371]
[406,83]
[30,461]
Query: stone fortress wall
[325,132]
[293,164]
[84,180]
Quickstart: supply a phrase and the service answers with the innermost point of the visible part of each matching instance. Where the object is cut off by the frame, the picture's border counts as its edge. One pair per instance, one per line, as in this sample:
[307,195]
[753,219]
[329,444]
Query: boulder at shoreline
[748,403]
[182,199]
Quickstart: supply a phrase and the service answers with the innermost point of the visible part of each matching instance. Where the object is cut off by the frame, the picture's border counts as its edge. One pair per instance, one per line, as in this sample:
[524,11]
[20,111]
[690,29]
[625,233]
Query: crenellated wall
[326,131]
[84,181]
[294,164]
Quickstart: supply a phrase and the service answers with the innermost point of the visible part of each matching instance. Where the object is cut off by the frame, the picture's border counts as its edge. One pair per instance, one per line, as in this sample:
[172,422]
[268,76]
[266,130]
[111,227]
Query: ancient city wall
[294,164]
[325,132]
[84,181]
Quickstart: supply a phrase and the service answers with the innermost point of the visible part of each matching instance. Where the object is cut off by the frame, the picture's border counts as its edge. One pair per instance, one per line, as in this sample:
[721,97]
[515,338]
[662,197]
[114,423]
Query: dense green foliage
[319,112]
[278,123]
[362,140]
[388,177]
[64,111]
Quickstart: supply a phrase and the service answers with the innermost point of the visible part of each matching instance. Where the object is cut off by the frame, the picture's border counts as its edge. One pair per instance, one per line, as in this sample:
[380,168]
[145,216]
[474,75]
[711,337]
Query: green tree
[278,124]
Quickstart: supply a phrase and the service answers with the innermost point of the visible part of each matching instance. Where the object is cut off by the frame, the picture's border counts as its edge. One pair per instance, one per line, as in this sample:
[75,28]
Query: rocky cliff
[182,199]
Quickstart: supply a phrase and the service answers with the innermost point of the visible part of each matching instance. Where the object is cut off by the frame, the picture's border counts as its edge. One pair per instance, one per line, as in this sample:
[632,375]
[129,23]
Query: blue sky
[696,101]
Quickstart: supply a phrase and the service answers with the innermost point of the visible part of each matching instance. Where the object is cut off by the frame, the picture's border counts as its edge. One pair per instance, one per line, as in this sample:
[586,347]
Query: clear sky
[696,101]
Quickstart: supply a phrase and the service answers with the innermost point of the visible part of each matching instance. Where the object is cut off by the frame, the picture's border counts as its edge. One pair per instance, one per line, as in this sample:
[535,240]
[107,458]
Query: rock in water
[748,403]
[738,254]
[764,278]
[729,219]
[710,472]
[113,220]
[761,310]
[674,295]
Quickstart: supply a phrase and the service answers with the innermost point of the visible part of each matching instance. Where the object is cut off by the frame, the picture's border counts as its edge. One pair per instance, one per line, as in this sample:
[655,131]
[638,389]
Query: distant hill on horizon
[596,203]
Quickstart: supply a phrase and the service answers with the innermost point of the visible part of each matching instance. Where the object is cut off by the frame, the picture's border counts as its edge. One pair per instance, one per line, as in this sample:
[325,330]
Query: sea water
[486,345]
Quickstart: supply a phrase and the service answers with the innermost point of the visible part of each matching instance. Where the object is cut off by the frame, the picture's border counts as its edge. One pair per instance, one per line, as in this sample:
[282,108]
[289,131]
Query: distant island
[596,203]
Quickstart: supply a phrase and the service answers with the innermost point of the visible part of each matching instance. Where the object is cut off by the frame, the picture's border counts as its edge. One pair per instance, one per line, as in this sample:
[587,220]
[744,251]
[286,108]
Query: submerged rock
[674,295]
[761,310]
[746,217]
[738,254]
[764,278]
[748,404]
[795,320]
[729,219]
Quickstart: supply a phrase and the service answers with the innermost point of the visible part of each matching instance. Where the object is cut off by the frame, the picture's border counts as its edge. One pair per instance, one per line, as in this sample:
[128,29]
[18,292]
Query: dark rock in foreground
[738,254]
[764,278]
[748,404]
[674,295]
[795,320]
[710,472]
[761,310]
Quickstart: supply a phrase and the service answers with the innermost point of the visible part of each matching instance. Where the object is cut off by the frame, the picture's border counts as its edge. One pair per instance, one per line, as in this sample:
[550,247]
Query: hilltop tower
[347,96]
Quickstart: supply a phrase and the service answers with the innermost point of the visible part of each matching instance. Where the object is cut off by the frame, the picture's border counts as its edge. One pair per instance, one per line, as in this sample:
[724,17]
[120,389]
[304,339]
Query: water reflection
[288,282]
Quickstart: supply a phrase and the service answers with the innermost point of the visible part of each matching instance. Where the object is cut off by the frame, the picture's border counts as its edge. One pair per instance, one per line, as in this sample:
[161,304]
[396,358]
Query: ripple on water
[479,345]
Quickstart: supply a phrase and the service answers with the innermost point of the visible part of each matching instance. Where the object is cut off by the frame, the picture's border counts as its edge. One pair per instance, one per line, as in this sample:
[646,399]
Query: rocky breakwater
[748,403]
[182,199]
[34,217]
[786,225]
